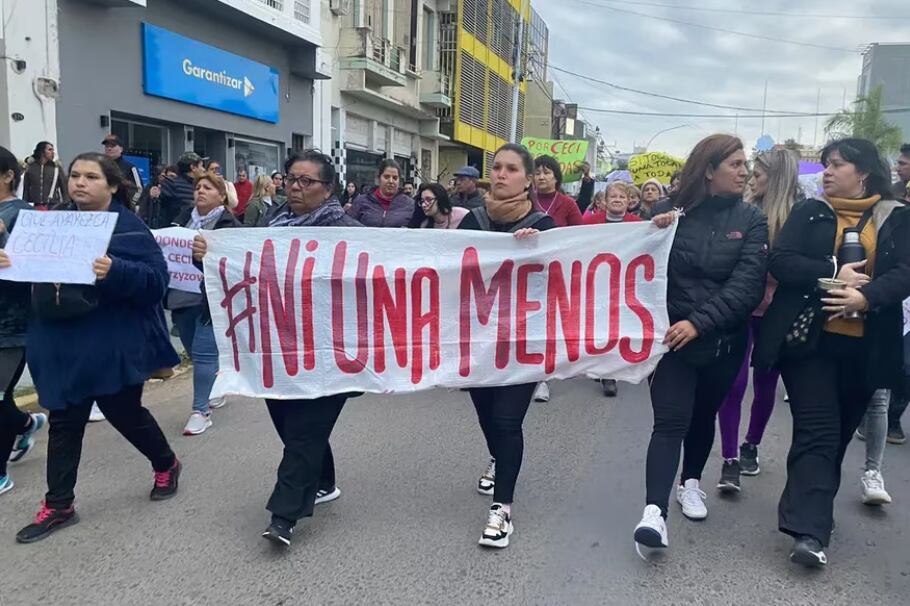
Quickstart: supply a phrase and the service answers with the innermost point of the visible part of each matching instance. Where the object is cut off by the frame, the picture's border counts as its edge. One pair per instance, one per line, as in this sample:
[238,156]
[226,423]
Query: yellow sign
[570,153]
[654,165]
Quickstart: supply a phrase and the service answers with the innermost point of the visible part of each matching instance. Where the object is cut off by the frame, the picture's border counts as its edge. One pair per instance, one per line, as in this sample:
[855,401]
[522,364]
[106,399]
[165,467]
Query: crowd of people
[758,278]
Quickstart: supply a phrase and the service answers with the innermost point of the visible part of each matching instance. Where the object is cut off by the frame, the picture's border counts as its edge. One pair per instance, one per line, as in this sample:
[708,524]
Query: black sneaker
[46,522]
[809,552]
[327,495]
[748,459]
[729,477]
[166,482]
[896,435]
[609,387]
[280,532]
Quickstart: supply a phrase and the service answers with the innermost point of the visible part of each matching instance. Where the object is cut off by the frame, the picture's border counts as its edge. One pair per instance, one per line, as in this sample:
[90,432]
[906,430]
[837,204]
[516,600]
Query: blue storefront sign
[183,69]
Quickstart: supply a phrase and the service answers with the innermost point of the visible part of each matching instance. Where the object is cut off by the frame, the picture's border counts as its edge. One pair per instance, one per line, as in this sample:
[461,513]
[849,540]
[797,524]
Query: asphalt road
[406,526]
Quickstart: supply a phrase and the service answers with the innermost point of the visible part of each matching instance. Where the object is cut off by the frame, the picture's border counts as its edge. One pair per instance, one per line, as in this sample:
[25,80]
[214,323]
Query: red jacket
[244,193]
[561,208]
[598,217]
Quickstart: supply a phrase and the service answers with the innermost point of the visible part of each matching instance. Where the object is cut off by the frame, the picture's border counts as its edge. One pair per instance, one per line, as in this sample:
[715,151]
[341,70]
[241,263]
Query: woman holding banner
[716,277]
[190,311]
[100,343]
[306,474]
[501,410]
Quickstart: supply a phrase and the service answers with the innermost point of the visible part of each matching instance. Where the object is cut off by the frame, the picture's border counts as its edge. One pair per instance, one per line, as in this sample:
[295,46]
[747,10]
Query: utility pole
[517,74]
[764,105]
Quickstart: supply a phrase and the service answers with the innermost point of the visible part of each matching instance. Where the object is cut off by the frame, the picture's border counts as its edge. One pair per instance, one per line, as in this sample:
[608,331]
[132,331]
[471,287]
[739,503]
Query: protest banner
[307,312]
[177,246]
[653,165]
[58,247]
[570,154]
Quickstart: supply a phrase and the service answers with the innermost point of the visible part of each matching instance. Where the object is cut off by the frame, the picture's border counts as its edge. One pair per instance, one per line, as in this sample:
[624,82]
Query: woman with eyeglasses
[386,205]
[306,474]
[834,342]
[435,210]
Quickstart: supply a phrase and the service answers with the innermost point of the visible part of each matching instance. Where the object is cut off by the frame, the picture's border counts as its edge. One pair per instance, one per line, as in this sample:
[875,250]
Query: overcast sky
[728,69]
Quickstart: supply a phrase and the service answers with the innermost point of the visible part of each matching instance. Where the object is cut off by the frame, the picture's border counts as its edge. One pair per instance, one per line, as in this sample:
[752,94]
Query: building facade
[888,66]
[232,80]
[478,55]
[386,88]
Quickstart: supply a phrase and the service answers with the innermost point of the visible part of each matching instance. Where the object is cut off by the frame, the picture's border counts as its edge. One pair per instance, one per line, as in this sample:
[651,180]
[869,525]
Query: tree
[867,121]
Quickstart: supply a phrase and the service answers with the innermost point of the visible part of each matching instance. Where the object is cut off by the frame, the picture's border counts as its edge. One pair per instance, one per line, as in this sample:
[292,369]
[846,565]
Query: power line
[671,98]
[718,29]
[757,13]
[601,110]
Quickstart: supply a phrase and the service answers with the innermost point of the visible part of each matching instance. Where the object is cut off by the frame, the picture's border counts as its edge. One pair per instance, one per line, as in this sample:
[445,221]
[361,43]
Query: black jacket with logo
[718,267]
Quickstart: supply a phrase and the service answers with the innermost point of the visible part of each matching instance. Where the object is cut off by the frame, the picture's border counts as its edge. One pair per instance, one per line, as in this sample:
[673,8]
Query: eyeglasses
[110,144]
[303,181]
[427,200]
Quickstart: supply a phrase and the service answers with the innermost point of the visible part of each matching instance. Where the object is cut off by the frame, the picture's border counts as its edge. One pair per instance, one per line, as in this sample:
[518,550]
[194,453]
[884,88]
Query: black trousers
[501,412]
[685,398]
[828,398]
[307,465]
[12,420]
[125,413]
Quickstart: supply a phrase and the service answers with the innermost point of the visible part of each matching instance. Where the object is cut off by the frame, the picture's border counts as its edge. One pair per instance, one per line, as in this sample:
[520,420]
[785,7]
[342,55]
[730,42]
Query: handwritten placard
[58,246]
[177,247]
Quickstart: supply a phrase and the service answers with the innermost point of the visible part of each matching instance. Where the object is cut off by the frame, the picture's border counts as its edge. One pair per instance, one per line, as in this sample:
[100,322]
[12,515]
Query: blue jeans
[199,341]
[876,428]
[185,321]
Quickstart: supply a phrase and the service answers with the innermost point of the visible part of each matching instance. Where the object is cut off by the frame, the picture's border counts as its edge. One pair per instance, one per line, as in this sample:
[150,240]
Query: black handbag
[803,335]
[54,301]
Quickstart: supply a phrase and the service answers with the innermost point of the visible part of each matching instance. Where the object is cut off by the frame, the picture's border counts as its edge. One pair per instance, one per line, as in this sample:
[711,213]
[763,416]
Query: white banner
[177,246]
[59,246]
[307,312]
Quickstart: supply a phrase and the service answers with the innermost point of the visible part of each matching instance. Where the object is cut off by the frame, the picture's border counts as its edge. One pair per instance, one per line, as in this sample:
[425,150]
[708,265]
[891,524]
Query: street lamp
[666,130]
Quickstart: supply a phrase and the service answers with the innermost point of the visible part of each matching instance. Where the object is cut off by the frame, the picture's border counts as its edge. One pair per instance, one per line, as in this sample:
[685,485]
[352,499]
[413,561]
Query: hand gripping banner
[307,312]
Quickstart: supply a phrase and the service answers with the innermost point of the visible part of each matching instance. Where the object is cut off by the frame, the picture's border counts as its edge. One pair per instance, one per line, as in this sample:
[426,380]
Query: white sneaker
[487,481]
[651,532]
[96,415]
[498,529]
[874,492]
[197,424]
[692,499]
[325,496]
[217,402]
[542,393]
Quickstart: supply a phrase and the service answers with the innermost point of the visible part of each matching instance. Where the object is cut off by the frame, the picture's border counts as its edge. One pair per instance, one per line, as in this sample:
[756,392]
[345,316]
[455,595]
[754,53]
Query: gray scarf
[328,213]
[206,222]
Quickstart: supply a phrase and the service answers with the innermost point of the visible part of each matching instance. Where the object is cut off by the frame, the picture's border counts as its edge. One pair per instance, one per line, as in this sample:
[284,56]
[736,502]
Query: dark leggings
[125,413]
[12,420]
[307,465]
[501,412]
[685,398]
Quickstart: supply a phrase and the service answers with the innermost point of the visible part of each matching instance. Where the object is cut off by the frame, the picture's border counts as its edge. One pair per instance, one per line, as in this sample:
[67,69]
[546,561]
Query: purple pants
[764,385]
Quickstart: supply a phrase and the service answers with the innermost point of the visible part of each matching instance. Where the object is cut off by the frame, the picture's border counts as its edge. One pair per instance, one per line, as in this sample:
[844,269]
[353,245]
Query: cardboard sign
[177,247]
[653,165]
[570,154]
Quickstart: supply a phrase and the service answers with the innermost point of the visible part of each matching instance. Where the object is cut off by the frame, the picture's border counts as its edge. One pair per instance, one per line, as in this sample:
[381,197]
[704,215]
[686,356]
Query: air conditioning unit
[340,7]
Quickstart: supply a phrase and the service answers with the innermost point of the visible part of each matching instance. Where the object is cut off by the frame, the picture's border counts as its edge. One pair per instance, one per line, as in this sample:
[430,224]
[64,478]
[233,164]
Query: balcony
[436,90]
[292,22]
[380,63]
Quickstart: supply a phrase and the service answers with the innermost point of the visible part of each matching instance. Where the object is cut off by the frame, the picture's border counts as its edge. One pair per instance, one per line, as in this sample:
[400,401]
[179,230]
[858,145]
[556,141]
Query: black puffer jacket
[802,254]
[176,198]
[717,267]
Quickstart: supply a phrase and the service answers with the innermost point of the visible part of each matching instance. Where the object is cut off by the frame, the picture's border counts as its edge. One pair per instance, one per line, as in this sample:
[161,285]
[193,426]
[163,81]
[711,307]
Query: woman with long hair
[386,205]
[262,202]
[17,427]
[435,210]
[773,187]
[652,191]
[716,278]
[44,180]
[100,343]
[190,311]
[501,410]
[837,344]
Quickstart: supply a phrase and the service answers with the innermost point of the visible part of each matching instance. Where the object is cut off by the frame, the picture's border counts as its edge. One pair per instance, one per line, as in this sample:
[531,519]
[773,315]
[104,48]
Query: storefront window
[256,158]
[362,168]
